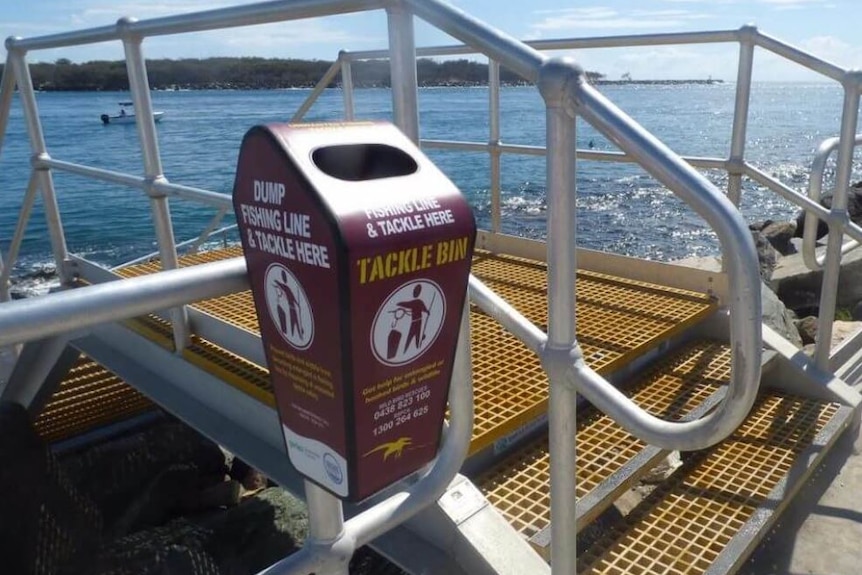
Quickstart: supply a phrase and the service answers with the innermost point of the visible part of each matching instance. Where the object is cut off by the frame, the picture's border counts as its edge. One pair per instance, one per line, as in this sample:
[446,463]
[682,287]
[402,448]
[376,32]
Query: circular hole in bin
[358,162]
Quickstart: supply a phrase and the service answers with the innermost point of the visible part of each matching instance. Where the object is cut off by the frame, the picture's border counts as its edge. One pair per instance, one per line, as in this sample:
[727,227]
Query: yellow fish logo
[392,448]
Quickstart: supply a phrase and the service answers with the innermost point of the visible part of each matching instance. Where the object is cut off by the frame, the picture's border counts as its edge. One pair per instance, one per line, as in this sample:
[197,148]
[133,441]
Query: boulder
[854,208]
[775,313]
[841,330]
[778,234]
[799,288]
[778,317]
[766,254]
[807,327]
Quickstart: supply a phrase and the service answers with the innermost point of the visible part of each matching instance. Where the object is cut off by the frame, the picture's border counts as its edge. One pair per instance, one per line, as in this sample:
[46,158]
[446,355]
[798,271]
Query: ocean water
[620,207]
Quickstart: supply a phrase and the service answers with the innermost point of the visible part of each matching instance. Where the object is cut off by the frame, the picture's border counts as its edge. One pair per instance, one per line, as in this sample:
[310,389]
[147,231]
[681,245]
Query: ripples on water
[620,207]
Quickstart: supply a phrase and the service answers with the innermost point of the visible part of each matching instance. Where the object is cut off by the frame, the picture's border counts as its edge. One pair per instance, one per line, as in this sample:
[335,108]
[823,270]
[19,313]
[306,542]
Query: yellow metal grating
[618,321]
[236,309]
[518,486]
[683,526]
[509,385]
[239,372]
[88,397]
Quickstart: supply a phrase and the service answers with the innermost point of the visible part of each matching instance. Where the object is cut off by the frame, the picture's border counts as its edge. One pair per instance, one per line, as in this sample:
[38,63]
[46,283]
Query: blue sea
[620,208]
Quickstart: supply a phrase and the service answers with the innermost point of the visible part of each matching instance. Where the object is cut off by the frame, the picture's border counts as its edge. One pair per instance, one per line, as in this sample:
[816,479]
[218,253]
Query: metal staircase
[569,348]
[672,372]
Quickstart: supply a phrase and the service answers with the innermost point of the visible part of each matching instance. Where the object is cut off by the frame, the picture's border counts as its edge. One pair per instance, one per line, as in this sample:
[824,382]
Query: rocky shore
[790,291]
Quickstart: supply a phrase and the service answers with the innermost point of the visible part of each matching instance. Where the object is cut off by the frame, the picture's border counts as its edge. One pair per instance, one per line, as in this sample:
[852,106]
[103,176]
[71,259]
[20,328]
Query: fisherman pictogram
[408,322]
[289,306]
[285,292]
[416,309]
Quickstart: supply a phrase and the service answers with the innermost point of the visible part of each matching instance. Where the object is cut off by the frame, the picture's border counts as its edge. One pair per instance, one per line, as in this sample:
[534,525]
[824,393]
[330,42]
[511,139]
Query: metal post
[325,522]
[7,89]
[18,237]
[832,261]
[43,176]
[25,384]
[318,89]
[140,91]
[347,85]
[402,65]
[494,141]
[555,79]
[736,160]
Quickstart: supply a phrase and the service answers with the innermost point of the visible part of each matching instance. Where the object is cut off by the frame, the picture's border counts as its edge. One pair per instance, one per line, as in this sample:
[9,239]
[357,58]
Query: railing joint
[560,362]
[38,161]
[12,45]
[152,186]
[125,30]
[852,80]
[735,166]
[559,80]
[747,34]
[838,218]
[70,270]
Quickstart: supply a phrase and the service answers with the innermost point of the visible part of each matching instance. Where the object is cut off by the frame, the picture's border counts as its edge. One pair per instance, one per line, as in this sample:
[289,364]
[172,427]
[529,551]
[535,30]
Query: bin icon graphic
[358,251]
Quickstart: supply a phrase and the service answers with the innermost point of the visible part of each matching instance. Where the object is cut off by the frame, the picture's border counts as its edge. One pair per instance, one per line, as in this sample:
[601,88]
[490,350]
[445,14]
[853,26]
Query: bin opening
[358,162]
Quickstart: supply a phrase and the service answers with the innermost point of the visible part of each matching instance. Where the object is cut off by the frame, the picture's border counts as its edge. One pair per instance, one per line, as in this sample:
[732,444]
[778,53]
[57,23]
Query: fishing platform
[576,371]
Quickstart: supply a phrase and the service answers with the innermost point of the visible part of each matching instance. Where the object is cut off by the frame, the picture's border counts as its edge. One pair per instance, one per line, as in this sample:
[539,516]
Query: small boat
[126,117]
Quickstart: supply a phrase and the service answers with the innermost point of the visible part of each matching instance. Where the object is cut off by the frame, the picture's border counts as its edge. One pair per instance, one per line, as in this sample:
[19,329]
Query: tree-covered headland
[252,73]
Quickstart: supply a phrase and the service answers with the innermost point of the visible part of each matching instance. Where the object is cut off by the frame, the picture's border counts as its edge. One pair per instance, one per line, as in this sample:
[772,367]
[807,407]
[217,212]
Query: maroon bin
[358,252]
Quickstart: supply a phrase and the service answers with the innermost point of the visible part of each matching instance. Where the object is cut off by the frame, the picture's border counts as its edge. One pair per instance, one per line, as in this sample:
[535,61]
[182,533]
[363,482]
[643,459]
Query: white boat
[126,117]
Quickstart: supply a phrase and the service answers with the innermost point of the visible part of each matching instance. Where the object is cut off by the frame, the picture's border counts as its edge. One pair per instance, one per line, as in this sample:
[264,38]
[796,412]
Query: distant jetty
[707,82]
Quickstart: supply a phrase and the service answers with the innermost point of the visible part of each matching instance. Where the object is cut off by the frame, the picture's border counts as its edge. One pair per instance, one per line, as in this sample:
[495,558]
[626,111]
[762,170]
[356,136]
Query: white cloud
[834,50]
[796,4]
[599,18]
[662,62]
[315,37]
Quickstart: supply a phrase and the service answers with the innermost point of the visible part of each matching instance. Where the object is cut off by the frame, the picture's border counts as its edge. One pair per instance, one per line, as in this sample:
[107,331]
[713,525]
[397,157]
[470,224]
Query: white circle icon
[408,322]
[288,306]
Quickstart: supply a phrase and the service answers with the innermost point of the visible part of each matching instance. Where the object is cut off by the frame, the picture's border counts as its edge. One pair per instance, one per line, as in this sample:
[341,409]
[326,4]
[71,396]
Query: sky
[826,28]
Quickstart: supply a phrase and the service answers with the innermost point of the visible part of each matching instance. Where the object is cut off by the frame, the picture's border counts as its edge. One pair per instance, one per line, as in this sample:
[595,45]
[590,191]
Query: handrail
[17,237]
[739,257]
[329,555]
[231,17]
[567,95]
[71,310]
[815,189]
[569,81]
[194,242]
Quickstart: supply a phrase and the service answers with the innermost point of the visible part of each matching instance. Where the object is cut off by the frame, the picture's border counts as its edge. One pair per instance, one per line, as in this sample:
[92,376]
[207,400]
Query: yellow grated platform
[618,321]
[88,397]
[242,374]
[518,486]
[683,525]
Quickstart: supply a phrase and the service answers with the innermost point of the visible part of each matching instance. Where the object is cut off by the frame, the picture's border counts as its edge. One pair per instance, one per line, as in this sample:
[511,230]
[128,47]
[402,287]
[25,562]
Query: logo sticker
[408,322]
[332,468]
[288,306]
[395,448]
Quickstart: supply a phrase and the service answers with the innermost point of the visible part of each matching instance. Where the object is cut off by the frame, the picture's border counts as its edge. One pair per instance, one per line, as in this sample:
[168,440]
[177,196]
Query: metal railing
[735,165]
[331,539]
[563,86]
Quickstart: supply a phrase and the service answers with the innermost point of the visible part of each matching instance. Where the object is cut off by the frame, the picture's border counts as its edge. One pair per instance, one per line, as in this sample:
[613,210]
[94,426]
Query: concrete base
[821,531]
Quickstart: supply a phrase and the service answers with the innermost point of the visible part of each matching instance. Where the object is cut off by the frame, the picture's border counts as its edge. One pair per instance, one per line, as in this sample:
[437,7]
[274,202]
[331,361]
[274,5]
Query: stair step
[518,485]
[711,513]
[619,320]
[88,397]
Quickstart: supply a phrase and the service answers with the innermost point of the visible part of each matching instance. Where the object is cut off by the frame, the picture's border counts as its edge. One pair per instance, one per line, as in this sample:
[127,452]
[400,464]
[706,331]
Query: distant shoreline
[269,74]
[658,82]
[451,84]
